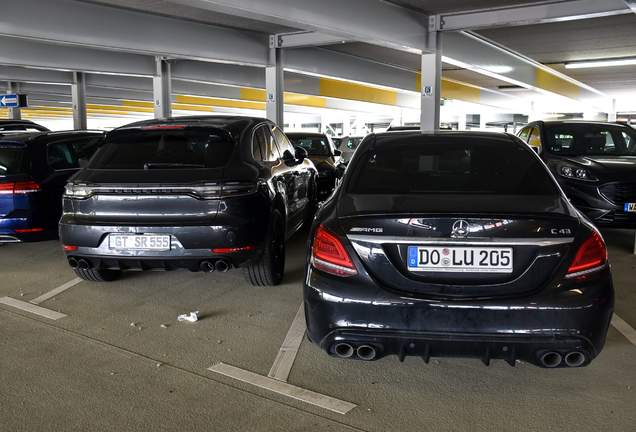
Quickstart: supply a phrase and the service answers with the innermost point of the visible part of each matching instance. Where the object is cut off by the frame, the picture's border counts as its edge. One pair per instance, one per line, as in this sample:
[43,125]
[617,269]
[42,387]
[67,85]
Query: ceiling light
[601,63]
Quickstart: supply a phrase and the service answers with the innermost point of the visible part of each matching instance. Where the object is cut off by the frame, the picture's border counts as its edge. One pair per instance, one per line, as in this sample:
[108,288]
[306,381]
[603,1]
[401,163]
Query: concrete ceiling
[379,41]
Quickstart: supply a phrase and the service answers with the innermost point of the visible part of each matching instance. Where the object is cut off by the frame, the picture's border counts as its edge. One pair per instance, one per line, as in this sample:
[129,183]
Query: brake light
[590,260]
[20,186]
[230,250]
[69,248]
[28,230]
[162,127]
[329,254]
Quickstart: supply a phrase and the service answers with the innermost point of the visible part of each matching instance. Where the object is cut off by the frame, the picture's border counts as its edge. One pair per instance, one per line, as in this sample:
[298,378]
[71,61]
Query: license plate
[460,259]
[147,242]
[630,207]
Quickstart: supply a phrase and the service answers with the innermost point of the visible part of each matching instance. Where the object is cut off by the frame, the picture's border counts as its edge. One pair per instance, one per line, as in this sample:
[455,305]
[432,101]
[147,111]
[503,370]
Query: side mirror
[340,170]
[301,153]
[337,152]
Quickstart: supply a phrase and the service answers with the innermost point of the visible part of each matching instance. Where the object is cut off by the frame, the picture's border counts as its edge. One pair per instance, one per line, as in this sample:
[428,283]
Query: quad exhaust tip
[208,266]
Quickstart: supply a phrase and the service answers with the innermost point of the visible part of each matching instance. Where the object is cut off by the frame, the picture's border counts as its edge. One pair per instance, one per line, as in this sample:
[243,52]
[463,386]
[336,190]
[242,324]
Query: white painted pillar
[431,79]
[78,96]
[162,88]
[274,84]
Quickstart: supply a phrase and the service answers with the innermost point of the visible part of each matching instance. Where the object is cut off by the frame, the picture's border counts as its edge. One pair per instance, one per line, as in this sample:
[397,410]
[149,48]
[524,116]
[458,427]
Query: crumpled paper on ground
[192,317]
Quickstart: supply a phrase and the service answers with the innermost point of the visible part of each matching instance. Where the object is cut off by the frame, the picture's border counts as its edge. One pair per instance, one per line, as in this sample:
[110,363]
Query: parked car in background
[455,244]
[595,164]
[348,145]
[34,168]
[9,125]
[201,193]
[323,154]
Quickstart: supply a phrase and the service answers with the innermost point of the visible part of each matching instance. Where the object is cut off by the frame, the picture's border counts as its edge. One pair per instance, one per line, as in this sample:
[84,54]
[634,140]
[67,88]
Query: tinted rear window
[591,140]
[14,159]
[315,146]
[492,168]
[164,148]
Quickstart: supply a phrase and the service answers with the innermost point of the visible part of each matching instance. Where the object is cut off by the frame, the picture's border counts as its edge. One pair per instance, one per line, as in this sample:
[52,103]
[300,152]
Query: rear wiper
[149,166]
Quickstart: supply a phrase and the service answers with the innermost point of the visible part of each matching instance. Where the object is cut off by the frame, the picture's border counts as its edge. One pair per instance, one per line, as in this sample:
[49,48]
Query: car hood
[614,166]
[322,162]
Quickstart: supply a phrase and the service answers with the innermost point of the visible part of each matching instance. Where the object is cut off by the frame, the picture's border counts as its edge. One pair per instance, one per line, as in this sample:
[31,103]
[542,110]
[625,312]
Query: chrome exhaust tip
[222,266]
[551,359]
[574,358]
[73,263]
[206,266]
[84,264]
[366,352]
[343,350]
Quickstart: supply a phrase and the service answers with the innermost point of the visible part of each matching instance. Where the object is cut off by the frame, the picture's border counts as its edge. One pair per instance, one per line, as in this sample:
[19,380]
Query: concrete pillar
[461,121]
[611,116]
[78,96]
[431,79]
[274,84]
[15,113]
[162,88]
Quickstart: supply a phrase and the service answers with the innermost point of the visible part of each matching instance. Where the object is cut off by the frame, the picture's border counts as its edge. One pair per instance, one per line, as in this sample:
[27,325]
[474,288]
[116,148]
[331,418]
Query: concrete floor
[120,360]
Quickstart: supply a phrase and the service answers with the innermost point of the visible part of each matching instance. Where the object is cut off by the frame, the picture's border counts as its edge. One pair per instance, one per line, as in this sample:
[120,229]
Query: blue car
[34,168]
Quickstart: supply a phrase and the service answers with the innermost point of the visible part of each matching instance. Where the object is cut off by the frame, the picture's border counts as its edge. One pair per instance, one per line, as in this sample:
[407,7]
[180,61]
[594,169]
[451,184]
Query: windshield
[164,149]
[488,168]
[591,140]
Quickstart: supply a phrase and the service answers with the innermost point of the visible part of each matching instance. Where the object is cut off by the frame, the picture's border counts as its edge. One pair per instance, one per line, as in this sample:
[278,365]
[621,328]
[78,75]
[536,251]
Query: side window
[60,156]
[266,143]
[533,138]
[73,153]
[258,144]
[283,142]
[525,133]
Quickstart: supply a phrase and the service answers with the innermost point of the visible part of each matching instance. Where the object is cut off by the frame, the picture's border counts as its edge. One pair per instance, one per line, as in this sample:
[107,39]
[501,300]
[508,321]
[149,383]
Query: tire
[96,275]
[268,271]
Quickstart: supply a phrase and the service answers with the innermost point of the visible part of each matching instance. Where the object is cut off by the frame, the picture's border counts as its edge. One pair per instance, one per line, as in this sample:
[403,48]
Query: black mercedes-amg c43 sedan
[455,244]
[197,193]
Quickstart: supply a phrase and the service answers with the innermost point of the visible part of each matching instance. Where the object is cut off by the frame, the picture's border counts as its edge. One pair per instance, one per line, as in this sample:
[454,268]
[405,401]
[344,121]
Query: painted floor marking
[624,328]
[47,313]
[56,291]
[287,352]
[283,388]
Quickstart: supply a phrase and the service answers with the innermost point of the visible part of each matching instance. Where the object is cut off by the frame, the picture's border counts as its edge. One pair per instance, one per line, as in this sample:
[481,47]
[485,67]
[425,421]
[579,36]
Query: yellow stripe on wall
[137,104]
[117,108]
[555,84]
[303,100]
[253,95]
[452,89]
[192,107]
[356,92]
[192,100]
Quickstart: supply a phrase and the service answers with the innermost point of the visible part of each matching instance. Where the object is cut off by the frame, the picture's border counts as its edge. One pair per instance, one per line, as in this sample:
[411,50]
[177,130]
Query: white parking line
[287,352]
[286,389]
[56,291]
[624,328]
[47,313]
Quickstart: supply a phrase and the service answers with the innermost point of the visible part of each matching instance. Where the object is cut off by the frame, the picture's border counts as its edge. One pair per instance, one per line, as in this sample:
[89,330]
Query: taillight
[19,187]
[590,260]
[69,248]
[329,254]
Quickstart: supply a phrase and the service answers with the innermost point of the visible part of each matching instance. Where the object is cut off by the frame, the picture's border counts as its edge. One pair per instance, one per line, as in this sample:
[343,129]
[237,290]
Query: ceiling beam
[105,27]
[532,14]
[372,21]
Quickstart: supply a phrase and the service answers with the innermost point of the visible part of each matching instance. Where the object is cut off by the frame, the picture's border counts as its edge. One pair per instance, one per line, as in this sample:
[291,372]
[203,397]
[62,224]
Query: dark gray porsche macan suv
[197,193]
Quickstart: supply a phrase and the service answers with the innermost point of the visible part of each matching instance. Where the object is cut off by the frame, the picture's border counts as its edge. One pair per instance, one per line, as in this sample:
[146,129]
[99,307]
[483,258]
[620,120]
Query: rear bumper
[540,329]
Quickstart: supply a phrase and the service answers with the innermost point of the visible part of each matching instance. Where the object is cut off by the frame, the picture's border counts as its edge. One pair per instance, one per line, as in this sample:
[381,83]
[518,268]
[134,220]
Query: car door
[283,176]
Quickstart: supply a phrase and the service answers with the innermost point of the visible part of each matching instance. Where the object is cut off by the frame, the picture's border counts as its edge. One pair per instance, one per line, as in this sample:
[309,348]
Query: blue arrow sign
[9,100]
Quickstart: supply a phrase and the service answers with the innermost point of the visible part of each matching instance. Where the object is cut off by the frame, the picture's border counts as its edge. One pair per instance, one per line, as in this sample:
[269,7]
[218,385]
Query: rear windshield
[491,168]
[591,140]
[14,159]
[315,146]
[164,149]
